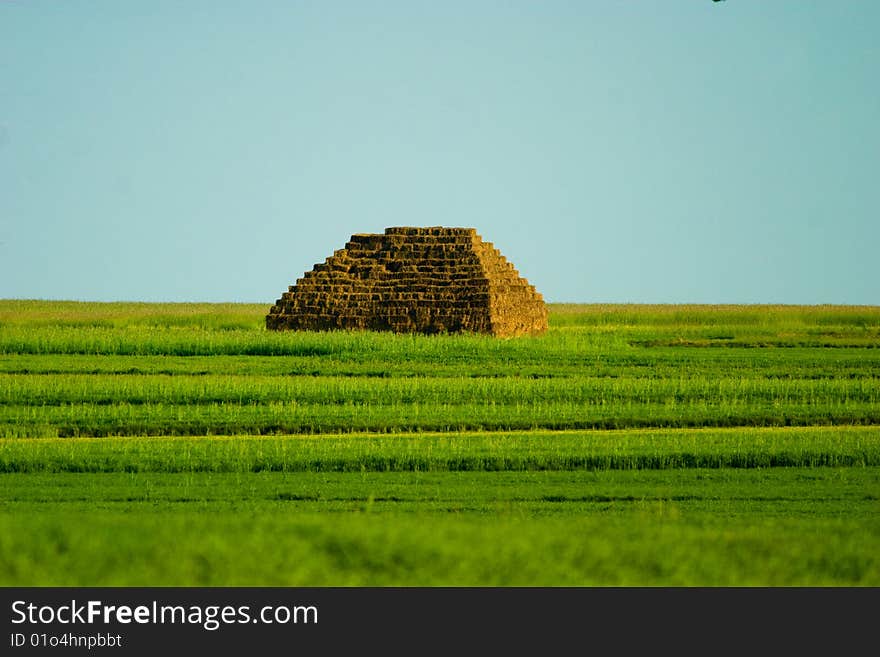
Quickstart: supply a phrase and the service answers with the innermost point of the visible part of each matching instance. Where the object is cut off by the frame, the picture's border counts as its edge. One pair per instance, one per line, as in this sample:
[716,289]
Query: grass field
[182,444]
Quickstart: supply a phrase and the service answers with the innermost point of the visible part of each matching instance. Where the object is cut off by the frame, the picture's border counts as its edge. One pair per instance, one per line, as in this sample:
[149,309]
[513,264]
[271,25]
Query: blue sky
[656,152]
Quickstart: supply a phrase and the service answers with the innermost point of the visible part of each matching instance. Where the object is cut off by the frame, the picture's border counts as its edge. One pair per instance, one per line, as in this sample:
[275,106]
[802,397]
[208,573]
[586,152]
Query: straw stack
[426,280]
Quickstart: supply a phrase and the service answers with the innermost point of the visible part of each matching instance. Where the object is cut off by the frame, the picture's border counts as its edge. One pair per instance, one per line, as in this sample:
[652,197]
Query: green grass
[781,526]
[182,444]
[450,452]
[361,549]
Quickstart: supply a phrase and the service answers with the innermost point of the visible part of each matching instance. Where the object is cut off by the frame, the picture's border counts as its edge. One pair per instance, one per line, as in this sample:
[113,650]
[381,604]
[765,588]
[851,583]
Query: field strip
[872,431]
[183,444]
[468,451]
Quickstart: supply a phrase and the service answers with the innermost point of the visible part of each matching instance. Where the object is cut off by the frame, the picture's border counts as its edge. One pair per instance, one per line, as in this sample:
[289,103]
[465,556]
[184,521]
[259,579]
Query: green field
[183,444]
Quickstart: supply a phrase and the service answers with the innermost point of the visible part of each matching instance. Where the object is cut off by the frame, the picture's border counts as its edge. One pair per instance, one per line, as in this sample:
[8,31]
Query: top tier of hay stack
[427,280]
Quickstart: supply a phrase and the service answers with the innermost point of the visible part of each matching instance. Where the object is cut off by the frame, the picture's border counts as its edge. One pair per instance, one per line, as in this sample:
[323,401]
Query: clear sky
[656,152]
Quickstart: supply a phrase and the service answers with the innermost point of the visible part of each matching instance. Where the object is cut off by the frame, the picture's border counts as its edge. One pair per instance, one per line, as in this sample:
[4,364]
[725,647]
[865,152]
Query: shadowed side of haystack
[427,280]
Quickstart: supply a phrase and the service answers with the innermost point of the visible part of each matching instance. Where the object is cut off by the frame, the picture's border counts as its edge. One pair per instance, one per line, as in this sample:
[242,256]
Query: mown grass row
[835,491]
[241,389]
[190,341]
[629,362]
[74,420]
[628,450]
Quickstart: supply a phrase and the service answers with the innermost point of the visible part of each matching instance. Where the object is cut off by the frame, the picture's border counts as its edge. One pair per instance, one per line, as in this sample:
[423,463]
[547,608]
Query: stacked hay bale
[427,280]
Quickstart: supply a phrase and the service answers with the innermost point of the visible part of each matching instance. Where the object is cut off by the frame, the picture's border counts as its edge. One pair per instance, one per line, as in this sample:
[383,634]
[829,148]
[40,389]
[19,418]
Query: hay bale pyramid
[413,280]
